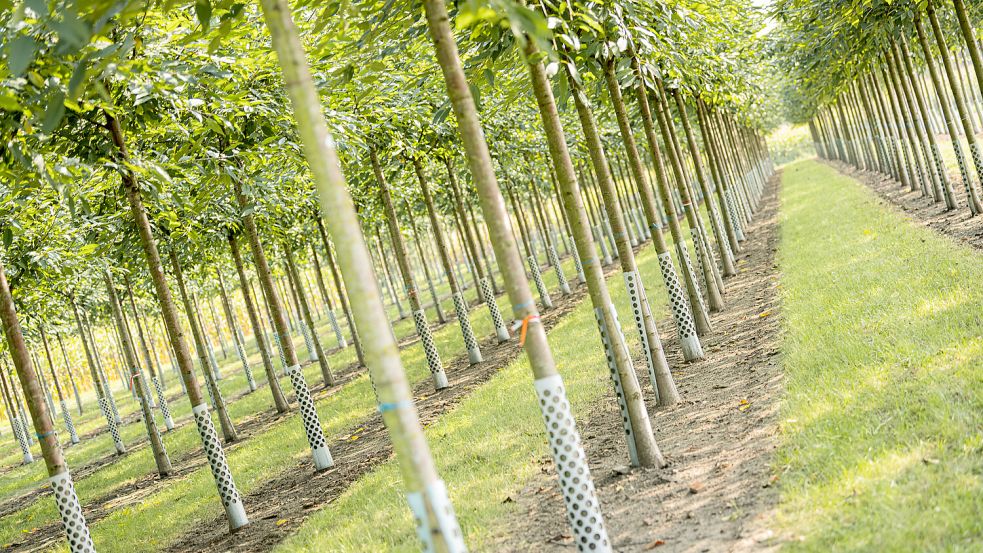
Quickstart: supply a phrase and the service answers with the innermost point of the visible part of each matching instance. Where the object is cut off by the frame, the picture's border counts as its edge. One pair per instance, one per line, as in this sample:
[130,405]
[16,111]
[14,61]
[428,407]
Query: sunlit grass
[883,439]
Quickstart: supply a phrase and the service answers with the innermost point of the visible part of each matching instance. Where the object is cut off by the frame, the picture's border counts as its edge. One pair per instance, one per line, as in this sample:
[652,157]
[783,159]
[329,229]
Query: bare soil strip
[717,494]
[956,224]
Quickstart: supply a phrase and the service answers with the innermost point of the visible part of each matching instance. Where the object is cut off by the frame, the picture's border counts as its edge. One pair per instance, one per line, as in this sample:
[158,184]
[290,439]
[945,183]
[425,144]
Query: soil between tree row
[717,493]
[956,224]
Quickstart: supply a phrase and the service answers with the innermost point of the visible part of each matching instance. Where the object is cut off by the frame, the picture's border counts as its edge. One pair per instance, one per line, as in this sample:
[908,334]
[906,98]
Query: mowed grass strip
[488,446]
[883,416]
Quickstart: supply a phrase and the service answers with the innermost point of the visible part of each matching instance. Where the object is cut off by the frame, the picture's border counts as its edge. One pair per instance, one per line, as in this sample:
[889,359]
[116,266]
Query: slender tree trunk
[228,429]
[423,262]
[969,36]
[54,460]
[688,310]
[65,413]
[98,383]
[403,266]
[305,312]
[238,340]
[161,400]
[460,305]
[642,448]
[259,333]
[136,375]
[17,425]
[343,296]
[319,277]
[972,195]
[213,448]
[71,375]
[309,416]
[658,367]
[427,495]
[583,509]
[723,248]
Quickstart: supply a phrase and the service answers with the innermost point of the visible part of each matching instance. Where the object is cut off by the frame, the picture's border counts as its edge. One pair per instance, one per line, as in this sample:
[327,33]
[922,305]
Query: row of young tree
[137,139]
[878,82]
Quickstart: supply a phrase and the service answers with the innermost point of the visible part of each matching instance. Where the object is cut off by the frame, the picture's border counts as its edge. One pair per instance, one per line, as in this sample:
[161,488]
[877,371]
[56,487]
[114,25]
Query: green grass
[883,417]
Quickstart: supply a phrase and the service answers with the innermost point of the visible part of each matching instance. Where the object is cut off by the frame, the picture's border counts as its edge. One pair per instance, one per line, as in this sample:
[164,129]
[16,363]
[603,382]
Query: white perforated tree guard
[70,510]
[113,428]
[577,486]
[576,261]
[162,401]
[212,361]
[309,416]
[461,308]
[234,509]
[342,343]
[308,342]
[430,349]
[637,301]
[501,331]
[606,338]
[732,213]
[21,434]
[681,313]
[279,349]
[560,277]
[537,277]
[69,425]
[245,366]
[444,518]
[697,281]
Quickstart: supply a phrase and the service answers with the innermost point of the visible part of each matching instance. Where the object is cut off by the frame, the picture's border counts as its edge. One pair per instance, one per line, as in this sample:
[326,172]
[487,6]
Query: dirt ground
[956,224]
[718,491]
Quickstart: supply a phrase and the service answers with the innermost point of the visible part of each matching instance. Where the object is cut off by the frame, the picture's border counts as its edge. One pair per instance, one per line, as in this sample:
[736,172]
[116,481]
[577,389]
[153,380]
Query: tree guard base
[113,428]
[501,331]
[70,510]
[576,485]
[69,425]
[312,423]
[616,380]
[21,435]
[446,521]
[234,509]
[461,308]
[430,349]
[681,310]
[581,277]
[537,277]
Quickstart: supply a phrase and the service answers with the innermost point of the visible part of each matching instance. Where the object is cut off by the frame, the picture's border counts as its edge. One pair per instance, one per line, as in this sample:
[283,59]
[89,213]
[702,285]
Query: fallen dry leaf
[653,544]
[696,487]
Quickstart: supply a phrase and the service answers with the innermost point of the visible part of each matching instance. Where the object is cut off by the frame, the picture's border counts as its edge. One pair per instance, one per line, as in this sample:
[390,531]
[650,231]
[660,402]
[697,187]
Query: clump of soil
[718,491]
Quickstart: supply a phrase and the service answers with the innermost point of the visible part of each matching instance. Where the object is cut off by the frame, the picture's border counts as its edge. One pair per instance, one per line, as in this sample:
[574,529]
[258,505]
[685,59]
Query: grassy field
[883,419]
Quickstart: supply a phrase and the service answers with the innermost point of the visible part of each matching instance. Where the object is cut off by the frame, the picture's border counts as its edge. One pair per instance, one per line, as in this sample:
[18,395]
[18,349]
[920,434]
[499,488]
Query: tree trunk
[642,448]
[305,312]
[65,413]
[423,261]
[228,429]
[427,494]
[136,376]
[216,456]
[161,400]
[460,305]
[658,367]
[403,265]
[342,292]
[71,375]
[98,383]
[54,460]
[259,333]
[238,340]
[726,257]
[308,412]
[332,317]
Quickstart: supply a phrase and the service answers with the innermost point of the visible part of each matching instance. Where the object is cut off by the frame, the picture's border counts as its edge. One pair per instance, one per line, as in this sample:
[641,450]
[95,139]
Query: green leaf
[20,54]
[8,237]
[203,9]
[54,113]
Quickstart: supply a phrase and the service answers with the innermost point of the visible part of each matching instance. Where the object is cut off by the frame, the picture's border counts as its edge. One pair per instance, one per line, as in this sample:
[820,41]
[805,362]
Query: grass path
[883,418]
